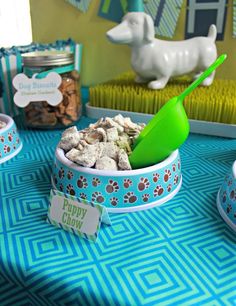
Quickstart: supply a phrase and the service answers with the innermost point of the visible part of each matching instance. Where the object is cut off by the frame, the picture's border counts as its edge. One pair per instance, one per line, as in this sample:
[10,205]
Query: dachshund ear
[149,33]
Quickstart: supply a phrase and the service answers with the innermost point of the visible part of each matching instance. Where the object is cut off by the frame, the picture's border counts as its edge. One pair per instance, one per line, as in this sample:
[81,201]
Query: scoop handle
[203,76]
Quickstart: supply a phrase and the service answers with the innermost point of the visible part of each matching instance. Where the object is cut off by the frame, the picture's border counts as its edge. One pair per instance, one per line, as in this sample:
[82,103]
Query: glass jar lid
[47,58]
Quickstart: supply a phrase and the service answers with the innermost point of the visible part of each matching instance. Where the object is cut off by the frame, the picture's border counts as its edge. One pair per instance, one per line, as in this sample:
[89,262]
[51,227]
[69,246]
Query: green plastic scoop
[168,129]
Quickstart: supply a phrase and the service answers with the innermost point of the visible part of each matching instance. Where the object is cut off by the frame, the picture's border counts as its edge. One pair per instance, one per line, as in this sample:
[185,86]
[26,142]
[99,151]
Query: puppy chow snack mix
[104,145]
[2,124]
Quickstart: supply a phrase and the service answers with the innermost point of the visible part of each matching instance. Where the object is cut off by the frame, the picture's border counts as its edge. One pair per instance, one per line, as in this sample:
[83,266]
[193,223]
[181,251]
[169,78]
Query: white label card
[34,90]
[76,215]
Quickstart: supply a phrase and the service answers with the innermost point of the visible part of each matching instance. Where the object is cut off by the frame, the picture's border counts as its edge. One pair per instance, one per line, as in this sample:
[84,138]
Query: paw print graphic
[155,177]
[10,137]
[158,191]
[233,194]
[61,187]
[176,179]
[17,140]
[169,188]
[14,147]
[55,180]
[2,138]
[179,164]
[114,201]
[112,187]
[230,182]
[174,167]
[97,197]
[167,175]
[96,182]
[61,173]
[143,184]
[145,197]
[82,195]
[229,208]
[224,197]
[70,190]
[127,183]
[82,182]
[129,197]
[6,149]
[13,131]
[70,175]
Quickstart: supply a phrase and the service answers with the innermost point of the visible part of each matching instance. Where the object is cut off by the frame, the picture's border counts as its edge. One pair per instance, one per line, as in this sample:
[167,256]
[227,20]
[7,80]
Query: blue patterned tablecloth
[181,253]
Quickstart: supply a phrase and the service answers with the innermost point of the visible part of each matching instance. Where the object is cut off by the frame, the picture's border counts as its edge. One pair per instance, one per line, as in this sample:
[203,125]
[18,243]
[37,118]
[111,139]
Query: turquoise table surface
[181,253]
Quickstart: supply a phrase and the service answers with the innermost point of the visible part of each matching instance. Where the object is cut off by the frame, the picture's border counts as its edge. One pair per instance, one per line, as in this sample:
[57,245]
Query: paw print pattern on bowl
[143,184]
[167,175]
[82,195]
[114,201]
[7,149]
[2,138]
[70,189]
[112,186]
[229,208]
[55,180]
[10,137]
[156,177]
[96,182]
[82,182]
[176,179]
[158,191]
[232,195]
[119,190]
[129,197]
[179,165]
[61,173]
[127,183]
[97,197]
[224,197]
[145,197]
[70,175]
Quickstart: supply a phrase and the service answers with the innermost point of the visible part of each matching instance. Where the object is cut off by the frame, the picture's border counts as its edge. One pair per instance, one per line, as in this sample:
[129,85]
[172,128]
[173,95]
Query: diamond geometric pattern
[181,253]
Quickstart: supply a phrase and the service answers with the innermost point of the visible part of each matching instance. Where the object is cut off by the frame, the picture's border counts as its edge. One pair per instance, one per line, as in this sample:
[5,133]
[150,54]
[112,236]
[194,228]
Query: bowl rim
[8,120]
[234,169]
[62,158]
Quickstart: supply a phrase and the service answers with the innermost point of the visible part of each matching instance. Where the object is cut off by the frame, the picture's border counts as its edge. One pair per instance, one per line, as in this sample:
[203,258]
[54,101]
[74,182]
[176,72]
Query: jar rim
[47,58]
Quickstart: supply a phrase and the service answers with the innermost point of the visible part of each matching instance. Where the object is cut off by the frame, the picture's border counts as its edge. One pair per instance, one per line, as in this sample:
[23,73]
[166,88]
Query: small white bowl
[10,143]
[119,191]
[226,198]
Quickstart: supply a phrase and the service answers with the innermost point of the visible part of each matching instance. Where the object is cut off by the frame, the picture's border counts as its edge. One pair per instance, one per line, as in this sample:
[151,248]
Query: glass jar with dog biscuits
[67,110]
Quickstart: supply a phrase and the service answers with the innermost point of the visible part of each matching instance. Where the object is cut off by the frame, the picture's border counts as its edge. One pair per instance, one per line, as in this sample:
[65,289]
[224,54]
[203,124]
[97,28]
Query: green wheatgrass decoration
[216,103]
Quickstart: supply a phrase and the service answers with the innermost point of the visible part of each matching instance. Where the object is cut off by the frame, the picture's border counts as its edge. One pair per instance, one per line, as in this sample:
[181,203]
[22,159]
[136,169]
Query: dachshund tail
[212,33]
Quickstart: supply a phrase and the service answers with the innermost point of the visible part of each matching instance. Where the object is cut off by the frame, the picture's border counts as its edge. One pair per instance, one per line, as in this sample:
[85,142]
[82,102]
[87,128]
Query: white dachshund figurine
[156,61]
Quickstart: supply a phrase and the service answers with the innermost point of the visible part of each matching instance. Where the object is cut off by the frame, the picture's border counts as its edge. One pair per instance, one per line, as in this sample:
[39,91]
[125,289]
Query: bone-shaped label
[34,90]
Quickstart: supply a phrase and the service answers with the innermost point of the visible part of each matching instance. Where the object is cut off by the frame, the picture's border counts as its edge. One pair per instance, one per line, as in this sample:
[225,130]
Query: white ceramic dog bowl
[10,143]
[226,198]
[119,191]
